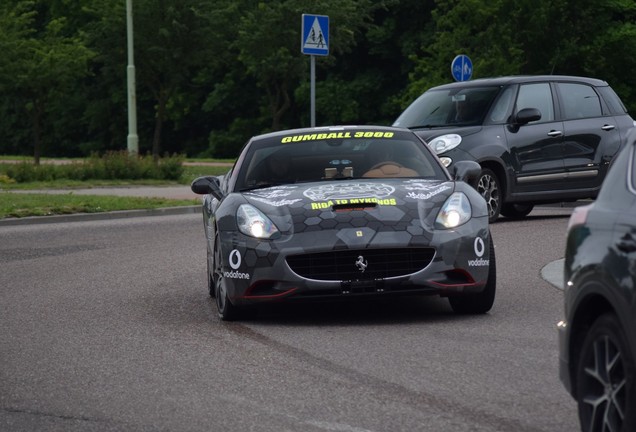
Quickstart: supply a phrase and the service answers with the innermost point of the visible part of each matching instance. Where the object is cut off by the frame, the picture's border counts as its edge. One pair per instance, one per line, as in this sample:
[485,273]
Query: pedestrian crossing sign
[315,35]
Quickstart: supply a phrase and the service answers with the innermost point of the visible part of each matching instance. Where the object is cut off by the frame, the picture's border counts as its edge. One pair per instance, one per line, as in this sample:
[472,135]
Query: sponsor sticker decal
[480,249]
[235,263]
[275,196]
[423,191]
[349,190]
[235,259]
[337,135]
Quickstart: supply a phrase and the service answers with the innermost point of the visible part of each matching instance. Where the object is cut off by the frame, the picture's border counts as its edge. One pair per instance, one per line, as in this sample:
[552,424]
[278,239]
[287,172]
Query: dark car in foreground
[347,212]
[597,338]
[538,139]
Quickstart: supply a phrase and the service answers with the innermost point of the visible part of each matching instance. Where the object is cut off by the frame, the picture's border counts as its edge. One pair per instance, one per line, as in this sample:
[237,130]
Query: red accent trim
[457,285]
[285,293]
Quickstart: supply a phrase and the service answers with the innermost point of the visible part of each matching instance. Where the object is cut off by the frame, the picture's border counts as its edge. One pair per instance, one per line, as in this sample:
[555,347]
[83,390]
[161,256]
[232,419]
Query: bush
[111,166]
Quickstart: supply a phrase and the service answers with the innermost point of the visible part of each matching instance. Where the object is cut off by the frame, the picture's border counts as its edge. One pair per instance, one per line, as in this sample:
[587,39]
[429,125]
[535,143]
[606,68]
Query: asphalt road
[106,326]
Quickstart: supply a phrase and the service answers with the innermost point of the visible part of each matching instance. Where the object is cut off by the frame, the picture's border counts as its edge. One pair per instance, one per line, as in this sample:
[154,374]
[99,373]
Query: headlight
[252,222]
[444,143]
[446,161]
[455,211]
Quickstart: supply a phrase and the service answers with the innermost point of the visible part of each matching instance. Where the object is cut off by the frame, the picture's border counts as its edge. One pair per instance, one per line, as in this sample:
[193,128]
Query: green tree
[265,43]
[502,37]
[171,46]
[39,62]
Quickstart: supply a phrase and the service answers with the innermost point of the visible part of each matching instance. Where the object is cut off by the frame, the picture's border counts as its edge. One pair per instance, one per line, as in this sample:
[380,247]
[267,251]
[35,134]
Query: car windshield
[450,107]
[317,156]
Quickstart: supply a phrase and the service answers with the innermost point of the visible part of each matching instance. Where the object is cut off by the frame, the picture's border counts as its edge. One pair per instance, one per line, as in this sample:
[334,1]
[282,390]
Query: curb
[82,217]
[553,273]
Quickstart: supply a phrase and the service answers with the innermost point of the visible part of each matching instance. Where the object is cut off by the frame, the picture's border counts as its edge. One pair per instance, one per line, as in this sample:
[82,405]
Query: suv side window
[537,96]
[579,101]
[501,109]
[612,100]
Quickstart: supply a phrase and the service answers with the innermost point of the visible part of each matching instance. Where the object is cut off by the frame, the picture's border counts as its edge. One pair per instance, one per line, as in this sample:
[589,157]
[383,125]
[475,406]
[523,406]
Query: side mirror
[207,185]
[466,171]
[526,116]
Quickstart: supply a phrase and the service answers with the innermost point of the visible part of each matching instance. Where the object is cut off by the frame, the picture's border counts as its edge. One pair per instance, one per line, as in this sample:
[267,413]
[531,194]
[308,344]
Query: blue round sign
[462,68]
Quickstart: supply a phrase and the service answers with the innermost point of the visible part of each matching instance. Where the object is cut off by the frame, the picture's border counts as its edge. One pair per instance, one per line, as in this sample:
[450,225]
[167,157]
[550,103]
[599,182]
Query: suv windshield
[453,107]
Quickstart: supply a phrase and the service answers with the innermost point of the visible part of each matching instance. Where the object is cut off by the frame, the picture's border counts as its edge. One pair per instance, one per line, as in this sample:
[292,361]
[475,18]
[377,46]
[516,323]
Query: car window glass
[275,161]
[537,96]
[579,101]
[500,111]
[612,100]
[455,106]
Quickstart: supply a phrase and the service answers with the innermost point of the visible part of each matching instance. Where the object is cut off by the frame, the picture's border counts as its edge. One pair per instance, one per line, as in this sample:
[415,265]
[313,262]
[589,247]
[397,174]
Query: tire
[605,379]
[516,211]
[478,303]
[225,309]
[489,187]
[211,289]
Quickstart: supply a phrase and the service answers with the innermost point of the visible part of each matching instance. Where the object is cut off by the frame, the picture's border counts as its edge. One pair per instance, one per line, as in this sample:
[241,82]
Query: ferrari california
[330,213]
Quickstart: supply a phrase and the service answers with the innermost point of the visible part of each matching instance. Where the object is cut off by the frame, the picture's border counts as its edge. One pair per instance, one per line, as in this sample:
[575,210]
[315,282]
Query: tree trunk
[279,104]
[36,120]
[156,140]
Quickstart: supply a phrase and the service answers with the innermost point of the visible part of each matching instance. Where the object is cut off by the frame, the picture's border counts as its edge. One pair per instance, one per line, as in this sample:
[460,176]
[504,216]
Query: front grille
[341,265]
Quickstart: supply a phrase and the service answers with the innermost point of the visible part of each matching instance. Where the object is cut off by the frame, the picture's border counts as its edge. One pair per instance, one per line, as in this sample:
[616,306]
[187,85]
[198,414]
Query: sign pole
[313,91]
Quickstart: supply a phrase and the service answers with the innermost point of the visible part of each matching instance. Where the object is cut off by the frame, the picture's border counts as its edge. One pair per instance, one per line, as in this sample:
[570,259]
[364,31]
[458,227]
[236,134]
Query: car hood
[429,133]
[379,204]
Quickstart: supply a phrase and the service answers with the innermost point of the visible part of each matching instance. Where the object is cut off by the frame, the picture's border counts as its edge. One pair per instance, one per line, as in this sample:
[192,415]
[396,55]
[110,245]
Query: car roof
[517,79]
[327,129]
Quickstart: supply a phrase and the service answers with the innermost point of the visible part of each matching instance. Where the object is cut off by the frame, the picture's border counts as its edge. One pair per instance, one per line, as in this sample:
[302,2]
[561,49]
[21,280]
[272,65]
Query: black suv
[538,139]
[597,337]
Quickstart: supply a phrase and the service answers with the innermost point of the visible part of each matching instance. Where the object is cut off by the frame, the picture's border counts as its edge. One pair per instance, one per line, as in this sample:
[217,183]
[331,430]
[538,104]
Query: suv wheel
[489,187]
[605,379]
[516,211]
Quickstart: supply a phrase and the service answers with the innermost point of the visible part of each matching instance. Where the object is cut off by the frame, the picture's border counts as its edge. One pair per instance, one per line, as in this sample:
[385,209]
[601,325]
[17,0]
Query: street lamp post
[133,139]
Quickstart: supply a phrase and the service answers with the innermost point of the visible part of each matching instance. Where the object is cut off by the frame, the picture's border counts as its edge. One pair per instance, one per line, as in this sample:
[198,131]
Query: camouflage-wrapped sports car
[343,212]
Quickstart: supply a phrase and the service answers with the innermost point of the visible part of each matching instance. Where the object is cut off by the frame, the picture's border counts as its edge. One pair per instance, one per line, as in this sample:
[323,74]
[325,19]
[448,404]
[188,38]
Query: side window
[579,101]
[500,110]
[612,100]
[537,96]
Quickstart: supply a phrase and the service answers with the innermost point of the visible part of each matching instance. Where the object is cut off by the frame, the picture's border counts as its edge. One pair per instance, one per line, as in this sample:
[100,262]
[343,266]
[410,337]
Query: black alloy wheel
[605,379]
[516,211]
[489,187]
[226,310]
[211,289]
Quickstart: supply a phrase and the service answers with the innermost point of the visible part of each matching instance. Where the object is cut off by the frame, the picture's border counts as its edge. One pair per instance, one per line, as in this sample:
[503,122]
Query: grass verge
[35,204]
[17,205]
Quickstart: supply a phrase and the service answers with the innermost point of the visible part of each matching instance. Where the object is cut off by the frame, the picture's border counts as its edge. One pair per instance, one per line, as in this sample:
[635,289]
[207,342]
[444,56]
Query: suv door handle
[608,127]
[555,133]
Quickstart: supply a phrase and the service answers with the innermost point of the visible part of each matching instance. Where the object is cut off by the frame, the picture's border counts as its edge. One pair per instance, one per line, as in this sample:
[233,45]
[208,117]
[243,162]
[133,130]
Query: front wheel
[516,211]
[211,289]
[225,309]
[605,378]
[489,187]
[478,303]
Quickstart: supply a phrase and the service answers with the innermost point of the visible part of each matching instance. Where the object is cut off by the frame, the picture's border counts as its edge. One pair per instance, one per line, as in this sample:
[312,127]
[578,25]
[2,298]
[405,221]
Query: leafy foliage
[113,165]
[212,73]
